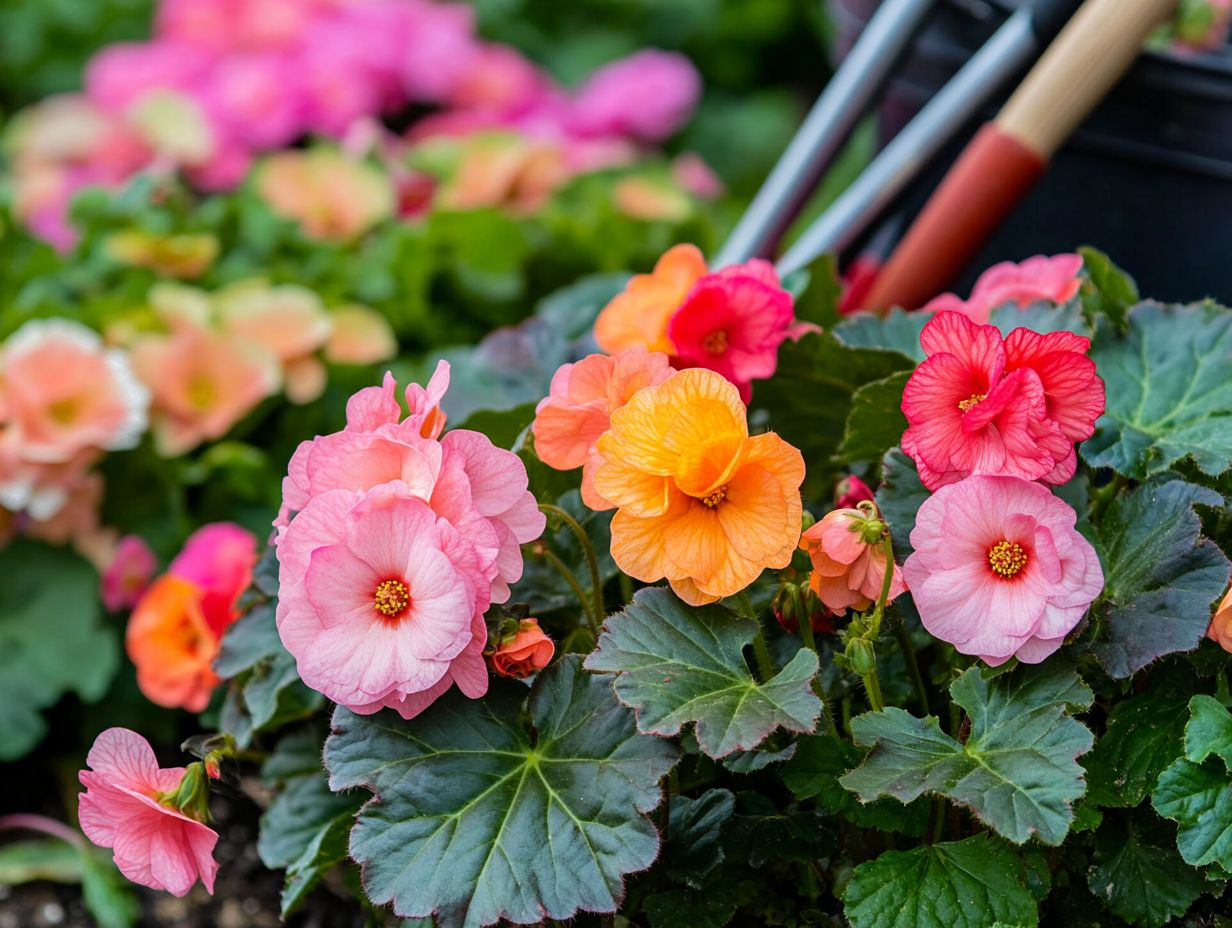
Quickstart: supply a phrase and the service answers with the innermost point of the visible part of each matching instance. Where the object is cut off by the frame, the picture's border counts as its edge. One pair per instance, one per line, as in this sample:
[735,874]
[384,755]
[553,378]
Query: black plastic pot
[1147,178]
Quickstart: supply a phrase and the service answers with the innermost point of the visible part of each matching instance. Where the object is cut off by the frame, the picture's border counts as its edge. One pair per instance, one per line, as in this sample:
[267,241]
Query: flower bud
[192,796]
[861,656]
[522,653]
[850,492]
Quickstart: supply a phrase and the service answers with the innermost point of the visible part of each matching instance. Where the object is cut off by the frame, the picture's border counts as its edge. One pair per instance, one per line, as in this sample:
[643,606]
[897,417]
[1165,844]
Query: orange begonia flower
[640,314]
[700,501]
[172,645]
[1220,630]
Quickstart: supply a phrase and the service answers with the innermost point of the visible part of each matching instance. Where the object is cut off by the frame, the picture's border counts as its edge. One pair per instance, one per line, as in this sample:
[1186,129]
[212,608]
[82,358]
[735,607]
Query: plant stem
[806,633]
[913,666]
[592,561]
[873,686]
[936,820]
[888,547]
[626,588]
[765,664]
[48,826]
[583,599]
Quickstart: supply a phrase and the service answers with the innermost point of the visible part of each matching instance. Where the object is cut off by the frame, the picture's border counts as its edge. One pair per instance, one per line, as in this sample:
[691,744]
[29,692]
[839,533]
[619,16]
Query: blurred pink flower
[128,575]
[648,95]
[1056,280]
[850,491]
[122,73]
[218,558]
[499,79]
[125,807]
[999,570]
[330,195]
[65,393]
[696,176]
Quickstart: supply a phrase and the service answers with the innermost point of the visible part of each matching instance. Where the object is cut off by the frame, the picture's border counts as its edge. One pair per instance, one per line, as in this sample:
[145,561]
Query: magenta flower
[999,570]
[980,404]
[648,95]
[733,321]
[124,808]
[1055,280]
[218,558]
[128,575]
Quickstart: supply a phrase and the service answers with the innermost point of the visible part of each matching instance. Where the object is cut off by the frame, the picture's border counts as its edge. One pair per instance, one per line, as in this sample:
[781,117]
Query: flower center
[971,402]
[391,598]
[715,342]
[712,500]
[201,391]
[1007,558]
[64,411]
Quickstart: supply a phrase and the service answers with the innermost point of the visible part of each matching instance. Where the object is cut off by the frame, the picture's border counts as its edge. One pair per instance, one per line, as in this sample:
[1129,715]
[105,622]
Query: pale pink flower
[123,808]
[578,409]
[848,568]
[123,72]
[65,393]
[202,384]
[128,575]
[694,175]
[1040,278]
[330,195]
[999,569]
[648,95]
[359,335]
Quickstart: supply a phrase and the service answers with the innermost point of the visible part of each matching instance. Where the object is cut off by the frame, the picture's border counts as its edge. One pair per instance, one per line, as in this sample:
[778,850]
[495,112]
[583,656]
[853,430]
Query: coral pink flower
[128,575]
[359,335]
[999,570]
[218,558]
[64,393]
[524,652]
[373,603]
[579,407]
[970,410]
[1220,630]
[733,322]
[331,196]
[648,95]
[1054,279]
[849,563]
[202,384]
[850,491]
[154,844]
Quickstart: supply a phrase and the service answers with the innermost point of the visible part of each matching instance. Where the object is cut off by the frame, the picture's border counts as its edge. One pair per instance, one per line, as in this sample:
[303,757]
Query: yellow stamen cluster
[1007,558]
[715,342]
[971,402]
[712,500]
[391,598]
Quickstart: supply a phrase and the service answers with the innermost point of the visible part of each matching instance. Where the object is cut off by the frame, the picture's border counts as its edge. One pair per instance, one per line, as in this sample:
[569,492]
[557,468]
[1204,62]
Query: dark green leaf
[542,584]
[479,816]
[876,422]
[1018,770]
[692,848]
[296,816]
[1108,290]
[107,894]
[899,498]
[1140,877]
[252,638]
[677,664]
[712,907]
[1196,791]
[326,849]
[1160,576]
[976,883]
[572,310]
[760,832]
[752,761]
[1169,387]
[504,426]
[51,639]
[818,303]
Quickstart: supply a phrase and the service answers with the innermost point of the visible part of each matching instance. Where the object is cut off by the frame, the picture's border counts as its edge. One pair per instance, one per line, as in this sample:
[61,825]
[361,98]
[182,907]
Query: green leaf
[39,859]
[52,640]
[326,849]
[1169,388]
[1042,317]
[1160,576]
[894,331]
[1018,771]
[818,303]
[876,422]
[480,816]
[976,883]
[541,583]
[712,907]
[1108,290]
[502,426]
[1196,791]
[249,640]
[677,664]
[1143,736]
[296,817]
[761,832]
[899,498]
[1138,875]
[692,848]
[814,774]
[572,310]
[107,894]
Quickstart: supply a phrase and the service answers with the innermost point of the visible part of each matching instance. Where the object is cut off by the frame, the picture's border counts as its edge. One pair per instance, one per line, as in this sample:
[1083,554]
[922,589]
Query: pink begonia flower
[1054,279]
[371,603]
[256,97]
[971,411]
[848,570]
[65,393]
[999,570]
[578,409]
[227,25]
[444,46]
[154,844]
[850,491]
[499,79]
[330,195]
[648,95]
[733,321]
[128,575]
[122,73]
[202,384]
[359,335]
[696,176]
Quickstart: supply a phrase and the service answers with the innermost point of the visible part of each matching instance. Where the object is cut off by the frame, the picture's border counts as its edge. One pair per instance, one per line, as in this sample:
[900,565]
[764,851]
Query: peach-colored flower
[524,652]
[1220,630]
[578,409]
[172,645]
[64,393]
[502,169]
[202,384]
[330,195]
[640,314]
[170,255]
[849,563]
[289,322]
[699,501]
[651,199]
[359,335]
[174,126]
[127,807]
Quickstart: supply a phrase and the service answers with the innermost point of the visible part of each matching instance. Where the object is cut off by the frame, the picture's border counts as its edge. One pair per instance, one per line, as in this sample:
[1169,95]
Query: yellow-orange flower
[639,315]
[700,502]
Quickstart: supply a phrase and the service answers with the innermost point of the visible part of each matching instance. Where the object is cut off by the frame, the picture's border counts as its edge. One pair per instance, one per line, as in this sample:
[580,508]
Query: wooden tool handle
[1094,49]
